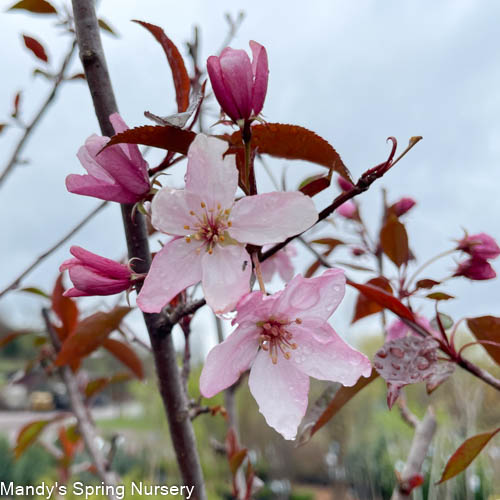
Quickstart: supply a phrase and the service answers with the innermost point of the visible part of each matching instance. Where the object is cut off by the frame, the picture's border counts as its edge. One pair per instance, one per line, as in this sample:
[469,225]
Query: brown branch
[85,425]
[59,78]
[422,438]
[52,249]
[170,384]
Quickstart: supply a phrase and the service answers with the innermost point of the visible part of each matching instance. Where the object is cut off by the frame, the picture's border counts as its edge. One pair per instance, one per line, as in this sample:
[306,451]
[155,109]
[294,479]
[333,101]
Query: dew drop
[382,354]
[397,352]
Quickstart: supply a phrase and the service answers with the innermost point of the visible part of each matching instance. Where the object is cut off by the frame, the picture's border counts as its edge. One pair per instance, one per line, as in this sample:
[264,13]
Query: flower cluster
[481,248]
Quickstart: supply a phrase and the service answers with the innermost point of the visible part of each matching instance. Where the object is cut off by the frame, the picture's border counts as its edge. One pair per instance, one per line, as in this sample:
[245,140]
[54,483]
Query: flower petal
[280,391]
[170,211]
[271,217]
[334,360]
[88,185]
[224,97]
[314,297]
[228,360]
[226,276]
[109,267]
[260,70]
[254,307]
[175,267]
[91,283]
[210,176]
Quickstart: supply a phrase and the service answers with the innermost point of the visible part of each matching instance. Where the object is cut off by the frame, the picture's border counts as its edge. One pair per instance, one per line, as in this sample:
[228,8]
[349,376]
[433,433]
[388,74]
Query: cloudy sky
[354,72]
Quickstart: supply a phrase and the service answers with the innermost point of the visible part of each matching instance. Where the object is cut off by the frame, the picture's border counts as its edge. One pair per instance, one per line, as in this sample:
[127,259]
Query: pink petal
[260,70]
[102,264]
[271,217]
[226,276]
[314,297]
[268,268]
[238,79]
[334,360]
[240,349]
[87,185]
[281,393]
[284,265]
[89,162]
[175,267]
[92,283]
[254,307]
[170,212]
[209,176]
[224,97]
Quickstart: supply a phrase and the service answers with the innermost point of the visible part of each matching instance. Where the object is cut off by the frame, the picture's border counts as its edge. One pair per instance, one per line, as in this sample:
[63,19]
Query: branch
[52,249]
[170,384]
[424,433]
[85,425]
[14,159]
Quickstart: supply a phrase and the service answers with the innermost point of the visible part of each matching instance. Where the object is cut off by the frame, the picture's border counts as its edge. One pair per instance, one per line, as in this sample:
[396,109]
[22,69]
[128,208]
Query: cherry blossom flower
[118,173]
[480,245]
[475,268]
[284,339]
[92,274]
[239,85]
[212,229]
[280,262]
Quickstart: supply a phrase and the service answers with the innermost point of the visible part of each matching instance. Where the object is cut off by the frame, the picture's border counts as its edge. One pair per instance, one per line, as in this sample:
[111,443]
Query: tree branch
[170,384]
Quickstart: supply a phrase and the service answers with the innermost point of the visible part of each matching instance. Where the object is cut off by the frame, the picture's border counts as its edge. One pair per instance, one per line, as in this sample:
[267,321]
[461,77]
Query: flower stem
[247,171]
[258,272]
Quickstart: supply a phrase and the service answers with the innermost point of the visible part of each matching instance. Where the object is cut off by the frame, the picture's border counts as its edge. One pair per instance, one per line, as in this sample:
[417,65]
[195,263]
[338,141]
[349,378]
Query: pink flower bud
[475,268]
[348,210]
[481,245]
[357,251]
[92,274]
[118,173]
[403,205]
[343,184]
[239,85]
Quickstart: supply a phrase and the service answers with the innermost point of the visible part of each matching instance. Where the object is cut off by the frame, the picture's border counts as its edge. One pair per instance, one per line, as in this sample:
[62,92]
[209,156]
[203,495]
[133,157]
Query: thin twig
[85,425]
[17,281]
[14,159]
[169,380]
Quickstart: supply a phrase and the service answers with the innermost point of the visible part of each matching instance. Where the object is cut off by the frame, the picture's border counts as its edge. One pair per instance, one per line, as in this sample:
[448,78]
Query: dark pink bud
[239,85]
[357,252]
[348,210]
[402,206]
[344,184]
[118,173]
[92,274]
[481,245]
[475,268]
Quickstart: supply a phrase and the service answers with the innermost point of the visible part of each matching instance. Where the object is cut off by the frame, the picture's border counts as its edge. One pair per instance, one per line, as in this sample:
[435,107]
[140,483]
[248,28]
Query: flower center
[209,226]
[275,338]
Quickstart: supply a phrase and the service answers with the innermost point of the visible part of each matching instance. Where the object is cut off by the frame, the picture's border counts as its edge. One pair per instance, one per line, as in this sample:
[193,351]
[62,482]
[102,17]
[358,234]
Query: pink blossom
[480,245]
[212,229]
[348,210]
[397,329]
[92,274]
[403,205]
[284,339]
[280,262]
[239,85]
[118,173]
[475,268]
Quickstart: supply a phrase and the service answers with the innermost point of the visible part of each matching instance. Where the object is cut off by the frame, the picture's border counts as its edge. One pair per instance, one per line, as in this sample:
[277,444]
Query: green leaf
[35,291]
[106,27]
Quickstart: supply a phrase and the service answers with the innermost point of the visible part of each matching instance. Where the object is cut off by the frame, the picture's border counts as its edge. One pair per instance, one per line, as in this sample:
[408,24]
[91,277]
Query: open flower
[118,173]
[212,230]
[284,339]
[280,262]
[92,274]
[239,85]
[480,245]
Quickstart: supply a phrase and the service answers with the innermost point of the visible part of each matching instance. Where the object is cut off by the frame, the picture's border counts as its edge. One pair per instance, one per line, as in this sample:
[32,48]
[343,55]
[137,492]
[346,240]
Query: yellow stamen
[186,227]
[202,204]
[188,239]
[229,223]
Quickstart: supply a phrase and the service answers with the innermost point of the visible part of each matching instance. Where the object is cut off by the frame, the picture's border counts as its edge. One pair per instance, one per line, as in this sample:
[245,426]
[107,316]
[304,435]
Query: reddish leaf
[366,306]
[106,27]
[28,435]
[487,328]
[466,453]
[394,241]
[65,308]
[77,76]
[406,361]
[385,299]
[35,6]
[328,406]
[17,102]
[36,47]
[180,75]
[315,184]
[331,242]
[439,296]
[166,137]
[97,385]
[236,460]
[126,355]
[2,127]
[427,283]
[294,143]
[89,334]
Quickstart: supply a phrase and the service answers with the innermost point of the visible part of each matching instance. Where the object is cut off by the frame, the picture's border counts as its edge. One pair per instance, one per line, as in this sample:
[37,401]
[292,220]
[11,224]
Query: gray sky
[354,72]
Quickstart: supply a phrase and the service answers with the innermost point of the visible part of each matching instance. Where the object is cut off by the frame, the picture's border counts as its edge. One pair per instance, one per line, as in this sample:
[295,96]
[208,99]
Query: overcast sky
[354,72]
